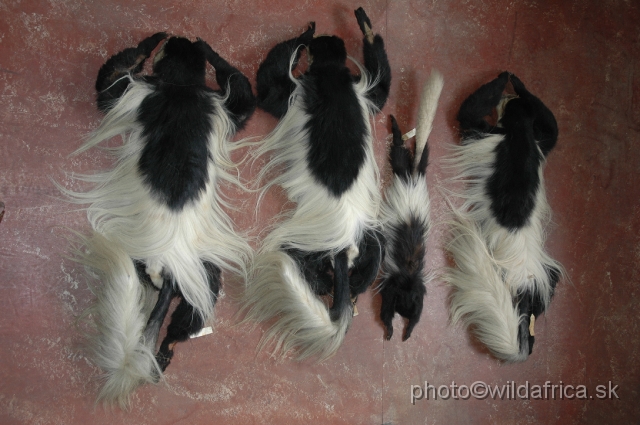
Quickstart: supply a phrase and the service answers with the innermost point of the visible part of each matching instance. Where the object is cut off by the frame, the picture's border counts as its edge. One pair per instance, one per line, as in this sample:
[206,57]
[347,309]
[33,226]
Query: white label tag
[202,332]
[532,325]
[409,135]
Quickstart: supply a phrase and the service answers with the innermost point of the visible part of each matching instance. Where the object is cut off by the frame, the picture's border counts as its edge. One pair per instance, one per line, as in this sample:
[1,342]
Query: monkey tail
[279,291]
[119,347]
[426,113]
[481,299]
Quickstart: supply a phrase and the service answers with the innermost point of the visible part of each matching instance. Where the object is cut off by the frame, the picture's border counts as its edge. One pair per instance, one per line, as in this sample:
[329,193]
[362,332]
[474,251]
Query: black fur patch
[318,271]
[404,290]
[527,125]
[176,119]
[424,161]
[401,157]
[316,267]
[177,127]
[554,276]
[366,265]
[336,127]
[514,183]
[160,310]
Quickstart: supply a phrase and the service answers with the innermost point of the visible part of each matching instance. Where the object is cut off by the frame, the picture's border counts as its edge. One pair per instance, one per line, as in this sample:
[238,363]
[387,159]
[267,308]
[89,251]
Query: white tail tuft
[119,347]
[427,111]
[481,299]
[280,291]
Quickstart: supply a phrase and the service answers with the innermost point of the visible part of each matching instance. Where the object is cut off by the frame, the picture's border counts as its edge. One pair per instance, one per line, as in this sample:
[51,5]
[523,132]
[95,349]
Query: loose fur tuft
[481,299]
[503,275]
[119,349]
[157,215]
[321,223]
[323,147]
[405,218]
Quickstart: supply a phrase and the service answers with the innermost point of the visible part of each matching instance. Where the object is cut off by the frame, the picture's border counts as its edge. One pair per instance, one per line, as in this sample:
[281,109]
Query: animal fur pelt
[156,215]
[503,277]
[330,243]
[405,218]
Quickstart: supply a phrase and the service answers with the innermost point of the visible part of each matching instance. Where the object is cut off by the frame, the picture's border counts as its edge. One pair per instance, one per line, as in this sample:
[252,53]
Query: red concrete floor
[580,57]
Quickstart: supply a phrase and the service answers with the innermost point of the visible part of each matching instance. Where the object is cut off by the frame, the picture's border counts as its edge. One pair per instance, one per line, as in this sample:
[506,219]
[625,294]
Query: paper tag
[202,332]
[409,134]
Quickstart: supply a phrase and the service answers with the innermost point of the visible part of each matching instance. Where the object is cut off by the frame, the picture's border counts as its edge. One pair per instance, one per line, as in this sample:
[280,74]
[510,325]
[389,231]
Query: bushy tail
[481,299]
[426,113]
[118,346]
[278,290]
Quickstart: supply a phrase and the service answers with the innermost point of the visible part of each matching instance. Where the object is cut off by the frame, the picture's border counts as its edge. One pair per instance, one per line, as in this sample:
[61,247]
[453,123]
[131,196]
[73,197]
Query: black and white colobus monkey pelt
[405,218]
[503,278]
[330,243]
[156,215]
